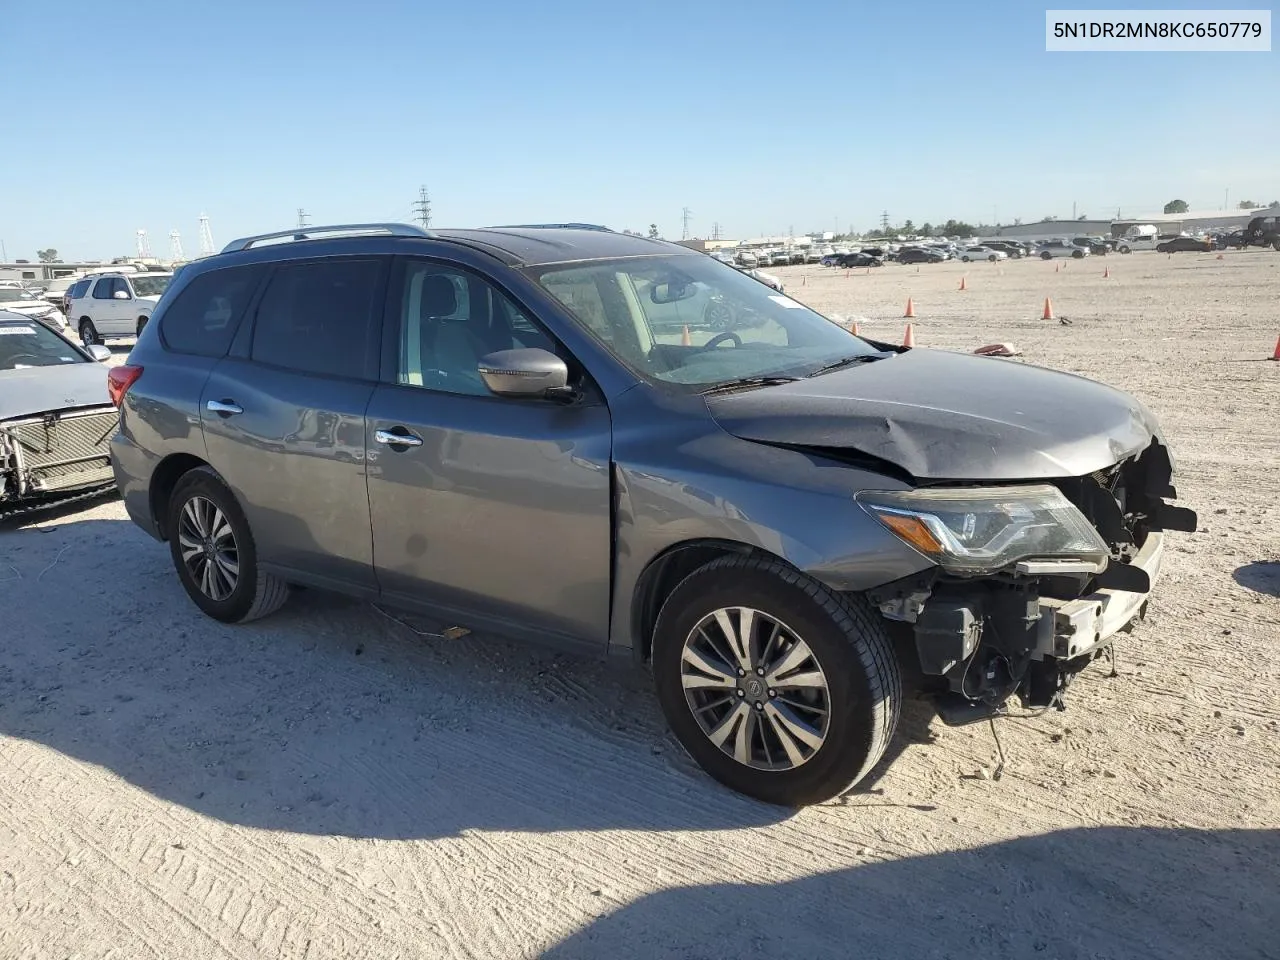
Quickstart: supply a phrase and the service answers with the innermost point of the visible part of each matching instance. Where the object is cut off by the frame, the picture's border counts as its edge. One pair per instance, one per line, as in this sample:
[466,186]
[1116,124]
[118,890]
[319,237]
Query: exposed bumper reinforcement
[1073,628]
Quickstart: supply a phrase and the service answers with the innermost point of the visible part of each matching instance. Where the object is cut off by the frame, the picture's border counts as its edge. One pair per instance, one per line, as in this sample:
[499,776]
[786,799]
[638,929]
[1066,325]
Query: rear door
[493,509]
[283,418]
[101,306]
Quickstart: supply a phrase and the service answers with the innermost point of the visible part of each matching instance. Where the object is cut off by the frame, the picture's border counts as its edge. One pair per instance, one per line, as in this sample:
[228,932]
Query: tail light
[119,380]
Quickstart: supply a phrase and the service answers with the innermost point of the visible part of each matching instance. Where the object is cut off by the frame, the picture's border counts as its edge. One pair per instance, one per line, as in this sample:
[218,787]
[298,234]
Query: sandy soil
[327,784]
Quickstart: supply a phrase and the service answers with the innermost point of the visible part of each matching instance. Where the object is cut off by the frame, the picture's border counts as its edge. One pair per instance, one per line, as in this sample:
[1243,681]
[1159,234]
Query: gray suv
[538,431]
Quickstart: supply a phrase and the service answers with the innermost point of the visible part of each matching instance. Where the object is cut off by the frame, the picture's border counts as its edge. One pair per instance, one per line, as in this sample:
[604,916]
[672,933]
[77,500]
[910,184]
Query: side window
[121,286]
[102,289]
[203,318]
[316,317]
[449,320]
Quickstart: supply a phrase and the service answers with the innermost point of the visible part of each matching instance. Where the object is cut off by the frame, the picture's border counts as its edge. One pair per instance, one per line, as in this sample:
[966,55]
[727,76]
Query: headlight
[981,530]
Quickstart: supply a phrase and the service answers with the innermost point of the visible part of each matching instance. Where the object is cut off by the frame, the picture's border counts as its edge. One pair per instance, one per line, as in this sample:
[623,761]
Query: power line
[422,209]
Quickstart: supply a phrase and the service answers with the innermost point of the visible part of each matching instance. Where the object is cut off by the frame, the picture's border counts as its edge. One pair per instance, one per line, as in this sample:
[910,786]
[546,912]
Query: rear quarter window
[203,318]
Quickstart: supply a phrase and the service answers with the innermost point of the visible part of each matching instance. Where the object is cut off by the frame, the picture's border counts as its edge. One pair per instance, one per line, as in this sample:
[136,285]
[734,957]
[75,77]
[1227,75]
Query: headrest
[439,299]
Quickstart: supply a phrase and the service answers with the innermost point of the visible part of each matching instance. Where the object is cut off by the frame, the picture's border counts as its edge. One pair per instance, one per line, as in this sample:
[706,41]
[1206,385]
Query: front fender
[712,487]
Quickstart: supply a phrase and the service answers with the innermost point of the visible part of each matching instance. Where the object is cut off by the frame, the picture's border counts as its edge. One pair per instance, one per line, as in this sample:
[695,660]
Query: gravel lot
[327,784]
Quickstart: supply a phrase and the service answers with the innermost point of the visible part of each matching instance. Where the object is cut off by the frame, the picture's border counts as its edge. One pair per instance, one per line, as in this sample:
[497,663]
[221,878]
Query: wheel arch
[163,479]
[664,572]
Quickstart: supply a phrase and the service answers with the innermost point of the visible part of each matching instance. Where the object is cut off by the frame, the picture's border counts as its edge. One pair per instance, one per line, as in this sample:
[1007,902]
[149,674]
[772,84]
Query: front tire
[1046,255]
[1077,255]
[776,686]
[88,332]
[214,553]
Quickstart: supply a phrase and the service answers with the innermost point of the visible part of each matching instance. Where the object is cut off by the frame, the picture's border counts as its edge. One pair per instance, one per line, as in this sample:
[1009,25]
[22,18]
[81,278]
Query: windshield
[738,328]
[150,286]
[32,345]
[11,295]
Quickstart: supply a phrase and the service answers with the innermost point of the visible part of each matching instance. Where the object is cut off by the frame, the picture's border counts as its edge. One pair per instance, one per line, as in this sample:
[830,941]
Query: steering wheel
[720,338]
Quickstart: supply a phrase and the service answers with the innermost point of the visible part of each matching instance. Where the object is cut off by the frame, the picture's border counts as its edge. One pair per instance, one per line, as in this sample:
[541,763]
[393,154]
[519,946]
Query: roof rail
[319,233]
[552,226]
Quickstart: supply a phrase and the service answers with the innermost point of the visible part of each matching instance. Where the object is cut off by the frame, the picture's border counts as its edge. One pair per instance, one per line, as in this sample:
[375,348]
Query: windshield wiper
[745,383]
[848,362]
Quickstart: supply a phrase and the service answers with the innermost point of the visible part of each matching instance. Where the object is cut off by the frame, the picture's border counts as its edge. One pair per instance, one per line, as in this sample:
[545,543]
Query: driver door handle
[228,408]
[397,438]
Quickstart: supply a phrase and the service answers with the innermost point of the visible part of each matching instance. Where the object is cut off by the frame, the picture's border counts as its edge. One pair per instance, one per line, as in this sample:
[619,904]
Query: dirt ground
[328,784]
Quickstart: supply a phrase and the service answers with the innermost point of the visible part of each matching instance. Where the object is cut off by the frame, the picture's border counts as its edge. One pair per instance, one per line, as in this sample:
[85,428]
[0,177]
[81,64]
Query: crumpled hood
[35,390]
[948,416]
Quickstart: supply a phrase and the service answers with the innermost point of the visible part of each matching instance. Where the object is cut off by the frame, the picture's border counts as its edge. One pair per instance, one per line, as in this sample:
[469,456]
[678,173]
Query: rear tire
[206,523]
[142,322]
[847,647]
[1046,255]
[1077,254]
[88,332]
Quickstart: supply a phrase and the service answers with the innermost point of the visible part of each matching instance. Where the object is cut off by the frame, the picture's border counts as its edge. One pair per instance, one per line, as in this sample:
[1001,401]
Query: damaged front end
[50,458]
[1031,583]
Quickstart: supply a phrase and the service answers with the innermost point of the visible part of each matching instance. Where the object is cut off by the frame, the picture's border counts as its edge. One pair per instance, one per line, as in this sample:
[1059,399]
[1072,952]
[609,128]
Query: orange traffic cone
[910,339]
[855,330]
[1106,272]
[686,340]
[1048,310]
[1056,267]
[911,308]
[963,285]
[804,281]
[1276,355]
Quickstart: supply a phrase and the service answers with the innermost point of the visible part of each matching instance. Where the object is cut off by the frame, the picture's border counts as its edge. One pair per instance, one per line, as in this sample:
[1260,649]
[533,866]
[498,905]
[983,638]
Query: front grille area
[64,451]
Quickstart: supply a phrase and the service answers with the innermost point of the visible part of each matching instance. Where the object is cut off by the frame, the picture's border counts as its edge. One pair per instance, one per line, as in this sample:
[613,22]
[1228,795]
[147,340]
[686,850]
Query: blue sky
[761,116]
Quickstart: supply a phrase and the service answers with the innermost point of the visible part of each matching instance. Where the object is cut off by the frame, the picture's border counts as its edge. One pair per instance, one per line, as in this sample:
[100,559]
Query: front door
[490,509]
[284,424]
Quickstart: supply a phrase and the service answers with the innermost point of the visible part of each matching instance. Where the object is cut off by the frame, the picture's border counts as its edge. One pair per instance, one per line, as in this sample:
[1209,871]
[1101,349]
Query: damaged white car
[56,418]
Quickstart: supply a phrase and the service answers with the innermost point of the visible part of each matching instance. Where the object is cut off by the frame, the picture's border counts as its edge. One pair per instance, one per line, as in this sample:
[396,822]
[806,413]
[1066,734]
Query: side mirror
[530,372]
[99,353]
[121,295]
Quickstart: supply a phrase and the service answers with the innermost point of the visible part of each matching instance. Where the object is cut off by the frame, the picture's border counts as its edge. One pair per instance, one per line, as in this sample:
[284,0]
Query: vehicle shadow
[330,717]
[335,716]
[1261,576]
[1107,892]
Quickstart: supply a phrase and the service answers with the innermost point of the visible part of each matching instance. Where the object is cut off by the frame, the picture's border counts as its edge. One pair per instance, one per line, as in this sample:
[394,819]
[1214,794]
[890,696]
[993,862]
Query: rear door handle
[397,438]
[228,408]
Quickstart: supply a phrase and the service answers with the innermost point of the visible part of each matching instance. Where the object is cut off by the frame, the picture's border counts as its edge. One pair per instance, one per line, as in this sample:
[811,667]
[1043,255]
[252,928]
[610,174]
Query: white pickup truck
[1141,238]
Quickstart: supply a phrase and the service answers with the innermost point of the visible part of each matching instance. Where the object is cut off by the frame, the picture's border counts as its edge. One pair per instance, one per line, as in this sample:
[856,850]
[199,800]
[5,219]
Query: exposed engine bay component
[1028,630]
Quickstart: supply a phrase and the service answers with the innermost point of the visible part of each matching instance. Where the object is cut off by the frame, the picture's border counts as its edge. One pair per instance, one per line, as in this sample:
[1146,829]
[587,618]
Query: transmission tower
[423,208]
[206,237]
[144,245]
[715,231]
[884,221]
[175,245]
[303,217]
[685,214]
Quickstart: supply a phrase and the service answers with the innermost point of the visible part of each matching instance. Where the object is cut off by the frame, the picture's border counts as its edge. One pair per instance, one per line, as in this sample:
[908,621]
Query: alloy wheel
[209,549]
[756,689]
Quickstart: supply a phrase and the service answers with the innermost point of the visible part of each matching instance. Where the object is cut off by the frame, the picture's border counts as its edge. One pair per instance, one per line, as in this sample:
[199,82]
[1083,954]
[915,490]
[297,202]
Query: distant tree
[957,228]
[47,256]
[1017,221]
[909,228]
[1176,206]
[1247,205]
[653,231]
[926,229]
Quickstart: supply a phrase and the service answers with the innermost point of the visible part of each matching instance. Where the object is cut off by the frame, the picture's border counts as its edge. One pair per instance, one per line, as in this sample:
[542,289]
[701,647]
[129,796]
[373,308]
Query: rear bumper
[1075,628]
[133,468]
